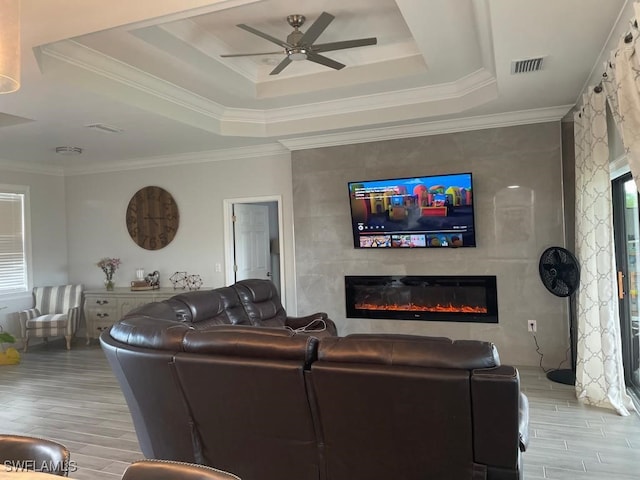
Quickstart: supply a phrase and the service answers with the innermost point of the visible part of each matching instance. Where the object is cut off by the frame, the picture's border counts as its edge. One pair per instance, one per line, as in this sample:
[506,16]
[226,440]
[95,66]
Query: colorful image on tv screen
[417,212]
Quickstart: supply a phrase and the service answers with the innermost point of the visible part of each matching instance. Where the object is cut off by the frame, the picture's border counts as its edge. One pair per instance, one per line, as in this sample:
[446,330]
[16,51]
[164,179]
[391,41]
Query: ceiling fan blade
[360,42]
[316,29]
[250,54]
[322,60]
[281,66]
[266,36]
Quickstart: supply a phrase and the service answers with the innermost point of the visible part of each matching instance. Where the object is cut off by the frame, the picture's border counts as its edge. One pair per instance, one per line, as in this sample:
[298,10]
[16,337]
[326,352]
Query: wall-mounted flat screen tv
[417,212]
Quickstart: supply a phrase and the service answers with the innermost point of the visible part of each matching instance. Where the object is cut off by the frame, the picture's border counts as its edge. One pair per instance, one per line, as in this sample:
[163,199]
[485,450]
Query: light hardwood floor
[73,397]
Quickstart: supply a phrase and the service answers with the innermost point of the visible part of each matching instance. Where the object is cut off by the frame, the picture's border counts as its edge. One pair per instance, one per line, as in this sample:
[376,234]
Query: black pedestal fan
[560,274]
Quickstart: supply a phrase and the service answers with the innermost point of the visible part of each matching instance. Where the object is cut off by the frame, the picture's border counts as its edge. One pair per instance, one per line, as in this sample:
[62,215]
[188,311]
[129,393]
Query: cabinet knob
[102,302]
[102,315]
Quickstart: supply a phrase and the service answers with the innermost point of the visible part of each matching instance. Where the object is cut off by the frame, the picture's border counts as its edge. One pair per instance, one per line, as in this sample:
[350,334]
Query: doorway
[626,223]
[252,235]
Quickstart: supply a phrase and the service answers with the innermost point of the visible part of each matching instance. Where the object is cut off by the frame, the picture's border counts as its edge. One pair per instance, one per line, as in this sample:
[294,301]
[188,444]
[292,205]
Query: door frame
[229,256]
[621,255]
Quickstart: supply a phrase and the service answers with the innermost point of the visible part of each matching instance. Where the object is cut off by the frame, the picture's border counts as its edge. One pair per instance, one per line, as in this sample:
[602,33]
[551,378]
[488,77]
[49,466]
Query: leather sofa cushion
[204,305]
[261,302]
[150,332]
[252,342]
[383,421]
[433,352]
[233,306]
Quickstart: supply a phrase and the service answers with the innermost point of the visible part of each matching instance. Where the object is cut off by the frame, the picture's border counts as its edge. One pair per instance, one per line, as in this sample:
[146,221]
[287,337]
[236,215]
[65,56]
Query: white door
[251,239]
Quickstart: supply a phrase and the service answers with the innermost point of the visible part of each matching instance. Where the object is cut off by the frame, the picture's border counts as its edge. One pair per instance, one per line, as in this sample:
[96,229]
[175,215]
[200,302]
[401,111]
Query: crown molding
[285,146]
[240,153]
[384,100]
[508,119]
[33,168]
[75,54]
[176,102]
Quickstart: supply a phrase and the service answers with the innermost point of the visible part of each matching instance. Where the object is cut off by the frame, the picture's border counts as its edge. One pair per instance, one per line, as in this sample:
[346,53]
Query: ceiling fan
[299,45]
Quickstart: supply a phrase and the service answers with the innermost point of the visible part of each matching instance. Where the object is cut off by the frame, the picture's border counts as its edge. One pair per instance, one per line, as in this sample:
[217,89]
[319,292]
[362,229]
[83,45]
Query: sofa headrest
[203,304]
[229,296]
[261,302]
[433,352]
[257,290]
[233,306]
[150,332]
[249,341]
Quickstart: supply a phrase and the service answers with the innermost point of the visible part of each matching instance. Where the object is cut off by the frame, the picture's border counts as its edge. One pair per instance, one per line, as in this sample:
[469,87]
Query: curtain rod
[628,38]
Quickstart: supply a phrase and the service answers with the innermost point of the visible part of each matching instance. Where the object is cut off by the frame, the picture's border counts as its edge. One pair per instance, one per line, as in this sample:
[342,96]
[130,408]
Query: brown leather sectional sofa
[270,403]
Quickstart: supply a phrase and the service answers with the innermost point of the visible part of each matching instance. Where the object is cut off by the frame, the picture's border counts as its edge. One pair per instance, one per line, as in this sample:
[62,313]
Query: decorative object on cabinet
[141,285]
[152,218]
[109,267]
[179,280]
[140,274]
[153,279]
[150,282]
[102,309]
[194,282]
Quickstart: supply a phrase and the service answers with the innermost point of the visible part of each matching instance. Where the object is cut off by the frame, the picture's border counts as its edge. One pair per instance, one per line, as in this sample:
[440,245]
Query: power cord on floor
[566,355]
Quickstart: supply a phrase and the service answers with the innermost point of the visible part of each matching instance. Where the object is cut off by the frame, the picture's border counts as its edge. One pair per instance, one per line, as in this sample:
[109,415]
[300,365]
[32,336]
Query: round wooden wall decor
[152,218]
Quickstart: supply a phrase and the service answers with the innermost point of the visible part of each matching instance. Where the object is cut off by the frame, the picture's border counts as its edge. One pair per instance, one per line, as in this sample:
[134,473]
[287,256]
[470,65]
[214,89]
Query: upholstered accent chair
[32,453]
[168,470]
[56,313]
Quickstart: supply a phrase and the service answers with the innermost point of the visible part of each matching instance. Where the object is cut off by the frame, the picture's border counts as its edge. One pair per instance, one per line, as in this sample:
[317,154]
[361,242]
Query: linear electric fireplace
[433,298]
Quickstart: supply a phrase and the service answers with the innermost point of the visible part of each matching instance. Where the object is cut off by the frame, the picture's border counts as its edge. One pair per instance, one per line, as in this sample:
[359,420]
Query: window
[13,240]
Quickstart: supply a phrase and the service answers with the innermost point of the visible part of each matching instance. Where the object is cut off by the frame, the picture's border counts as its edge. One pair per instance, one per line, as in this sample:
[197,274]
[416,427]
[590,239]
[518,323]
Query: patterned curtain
[599,370]
[621,83]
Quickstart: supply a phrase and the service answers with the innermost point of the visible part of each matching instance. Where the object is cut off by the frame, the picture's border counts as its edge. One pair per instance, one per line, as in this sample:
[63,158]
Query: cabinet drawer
[101,302]
[102,314]
[99,327]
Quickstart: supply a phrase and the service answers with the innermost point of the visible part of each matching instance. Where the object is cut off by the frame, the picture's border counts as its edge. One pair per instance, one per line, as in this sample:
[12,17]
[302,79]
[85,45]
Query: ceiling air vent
[103,127]
[526,66]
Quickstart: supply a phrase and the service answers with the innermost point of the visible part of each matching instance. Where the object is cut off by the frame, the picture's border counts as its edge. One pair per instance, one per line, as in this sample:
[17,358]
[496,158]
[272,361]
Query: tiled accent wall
[513,227]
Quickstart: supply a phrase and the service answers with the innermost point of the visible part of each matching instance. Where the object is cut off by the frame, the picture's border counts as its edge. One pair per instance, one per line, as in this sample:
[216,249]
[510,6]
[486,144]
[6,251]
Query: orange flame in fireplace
[412,307]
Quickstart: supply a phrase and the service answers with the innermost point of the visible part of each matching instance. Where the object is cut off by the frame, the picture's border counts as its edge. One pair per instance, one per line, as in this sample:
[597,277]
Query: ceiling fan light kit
[300,45]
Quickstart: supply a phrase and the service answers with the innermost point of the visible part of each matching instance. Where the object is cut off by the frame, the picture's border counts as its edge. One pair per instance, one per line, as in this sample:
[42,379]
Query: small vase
[109,285]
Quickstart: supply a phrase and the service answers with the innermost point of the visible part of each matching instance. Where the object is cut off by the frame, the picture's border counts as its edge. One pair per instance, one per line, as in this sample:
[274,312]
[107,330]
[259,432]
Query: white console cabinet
[103,308]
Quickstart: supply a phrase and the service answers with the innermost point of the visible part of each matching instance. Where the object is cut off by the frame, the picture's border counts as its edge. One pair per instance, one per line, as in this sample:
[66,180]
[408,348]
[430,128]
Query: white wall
[48,238]
[96,205]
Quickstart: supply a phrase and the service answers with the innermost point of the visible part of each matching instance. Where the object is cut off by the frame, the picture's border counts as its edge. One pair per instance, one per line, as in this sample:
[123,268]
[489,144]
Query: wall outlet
[532,326]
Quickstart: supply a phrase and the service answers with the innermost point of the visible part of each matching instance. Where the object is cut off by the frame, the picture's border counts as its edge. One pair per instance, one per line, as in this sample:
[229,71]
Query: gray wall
[513,227]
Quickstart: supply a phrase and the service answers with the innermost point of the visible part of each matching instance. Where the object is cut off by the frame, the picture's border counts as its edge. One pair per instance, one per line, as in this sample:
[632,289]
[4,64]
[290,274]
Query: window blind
[13,265]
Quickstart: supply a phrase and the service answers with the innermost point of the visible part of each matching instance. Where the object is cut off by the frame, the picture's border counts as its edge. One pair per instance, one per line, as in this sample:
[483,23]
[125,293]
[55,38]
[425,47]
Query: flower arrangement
[109,266]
